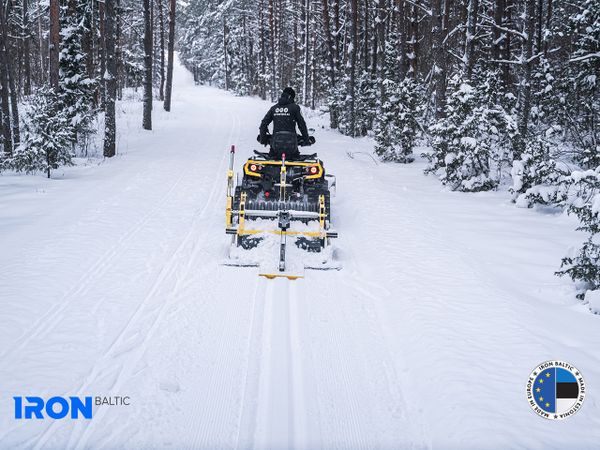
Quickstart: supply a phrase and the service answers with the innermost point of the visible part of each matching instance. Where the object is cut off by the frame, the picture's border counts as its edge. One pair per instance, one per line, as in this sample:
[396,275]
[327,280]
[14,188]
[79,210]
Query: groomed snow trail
[110,285]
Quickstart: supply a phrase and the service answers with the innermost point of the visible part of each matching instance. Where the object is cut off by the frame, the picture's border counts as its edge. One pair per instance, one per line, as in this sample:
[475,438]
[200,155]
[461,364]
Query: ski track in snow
[148,314]
[424,339]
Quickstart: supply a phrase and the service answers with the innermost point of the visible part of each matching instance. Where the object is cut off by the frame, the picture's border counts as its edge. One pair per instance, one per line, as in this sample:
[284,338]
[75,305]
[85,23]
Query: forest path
[111,286]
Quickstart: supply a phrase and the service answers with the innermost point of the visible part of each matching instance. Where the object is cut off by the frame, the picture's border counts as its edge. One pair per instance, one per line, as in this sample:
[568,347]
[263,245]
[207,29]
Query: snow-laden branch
[585,57]
[507,61]
[452,32]
[518,61]
[509,30]
[425,10]
[460,58]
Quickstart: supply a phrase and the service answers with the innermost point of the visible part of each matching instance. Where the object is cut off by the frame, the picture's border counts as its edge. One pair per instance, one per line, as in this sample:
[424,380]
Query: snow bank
[593,299]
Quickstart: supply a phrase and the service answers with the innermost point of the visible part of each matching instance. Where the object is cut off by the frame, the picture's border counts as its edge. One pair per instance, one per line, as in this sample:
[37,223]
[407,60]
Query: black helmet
[289,92]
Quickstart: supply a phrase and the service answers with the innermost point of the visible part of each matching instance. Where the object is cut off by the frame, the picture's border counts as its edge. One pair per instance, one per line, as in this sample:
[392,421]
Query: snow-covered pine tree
[47,136]
[366,111]
[340,101]
[399,110]
[584,266]
[500,113]
[462,141]
[397,121]
[583,73]
[385,124]
[582,197]
[546,105]
[535,168]
[75,88]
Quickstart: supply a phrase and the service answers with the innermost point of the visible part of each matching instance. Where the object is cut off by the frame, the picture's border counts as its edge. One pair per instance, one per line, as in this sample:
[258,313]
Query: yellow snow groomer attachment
[281,198]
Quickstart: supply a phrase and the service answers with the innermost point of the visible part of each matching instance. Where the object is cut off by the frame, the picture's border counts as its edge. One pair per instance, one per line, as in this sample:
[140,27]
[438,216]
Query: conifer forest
[493,94]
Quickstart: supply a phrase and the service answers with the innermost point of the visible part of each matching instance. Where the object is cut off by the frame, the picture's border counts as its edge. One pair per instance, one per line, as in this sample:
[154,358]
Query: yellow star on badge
[541,380]
[541,399]
[547,374]
[547,405]
[537,389]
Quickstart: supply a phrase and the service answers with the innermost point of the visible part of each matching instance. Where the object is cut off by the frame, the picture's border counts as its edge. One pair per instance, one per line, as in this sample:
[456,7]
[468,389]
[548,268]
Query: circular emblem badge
[555,390]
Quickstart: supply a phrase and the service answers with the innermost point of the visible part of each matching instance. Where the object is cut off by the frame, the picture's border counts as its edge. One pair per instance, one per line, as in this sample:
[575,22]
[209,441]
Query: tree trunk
[4,94]
[118,50]
[272,36]
[402,38]
[368,52]
[525,84]
[225,56]
[102,45]
[87,44]
[439,56]
[306,70]
[353,50]
[147,116]
[43,48]
[110,79]
[170,56]
[468,57]
[14,107]
[336,23]
[507,42]
[161,19]
[381,16]
[414,41]
[26,51]
[540,24]
[333,114]
[263,52]
[496,33]
[296,38]
[54,42]
[548,23]
[313,66]
[375,50]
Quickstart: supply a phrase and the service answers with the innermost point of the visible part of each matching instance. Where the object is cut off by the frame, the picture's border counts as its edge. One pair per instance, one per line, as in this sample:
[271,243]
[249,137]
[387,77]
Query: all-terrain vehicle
[281,187]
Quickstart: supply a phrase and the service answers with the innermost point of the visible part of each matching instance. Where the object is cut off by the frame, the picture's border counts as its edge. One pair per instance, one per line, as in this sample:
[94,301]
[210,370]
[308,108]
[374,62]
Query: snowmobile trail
[112,286]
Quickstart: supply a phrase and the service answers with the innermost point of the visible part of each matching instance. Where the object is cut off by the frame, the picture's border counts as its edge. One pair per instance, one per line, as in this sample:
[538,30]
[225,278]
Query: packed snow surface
[111,284]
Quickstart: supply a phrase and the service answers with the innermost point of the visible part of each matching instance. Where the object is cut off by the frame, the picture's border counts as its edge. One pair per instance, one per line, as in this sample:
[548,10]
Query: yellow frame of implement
[242,231]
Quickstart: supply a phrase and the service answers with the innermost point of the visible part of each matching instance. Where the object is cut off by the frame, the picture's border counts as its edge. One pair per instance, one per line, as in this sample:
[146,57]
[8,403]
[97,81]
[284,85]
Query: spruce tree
[583,73]
[582,197]
[76,89]
[462,141]
[397,121]
[47,137]
[534,170]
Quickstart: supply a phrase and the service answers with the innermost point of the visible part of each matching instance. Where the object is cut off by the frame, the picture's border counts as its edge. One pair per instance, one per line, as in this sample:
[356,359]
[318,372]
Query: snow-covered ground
[110,285]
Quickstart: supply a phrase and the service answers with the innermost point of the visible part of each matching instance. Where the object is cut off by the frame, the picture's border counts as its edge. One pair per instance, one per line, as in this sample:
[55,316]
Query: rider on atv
[285,115]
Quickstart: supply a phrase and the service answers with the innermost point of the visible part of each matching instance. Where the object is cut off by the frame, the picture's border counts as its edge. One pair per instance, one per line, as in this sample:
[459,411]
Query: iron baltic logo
[555,390]
[57,407]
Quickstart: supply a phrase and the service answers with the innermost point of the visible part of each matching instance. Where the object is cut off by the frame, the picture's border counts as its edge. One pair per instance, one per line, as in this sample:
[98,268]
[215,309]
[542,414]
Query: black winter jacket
[285,115]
